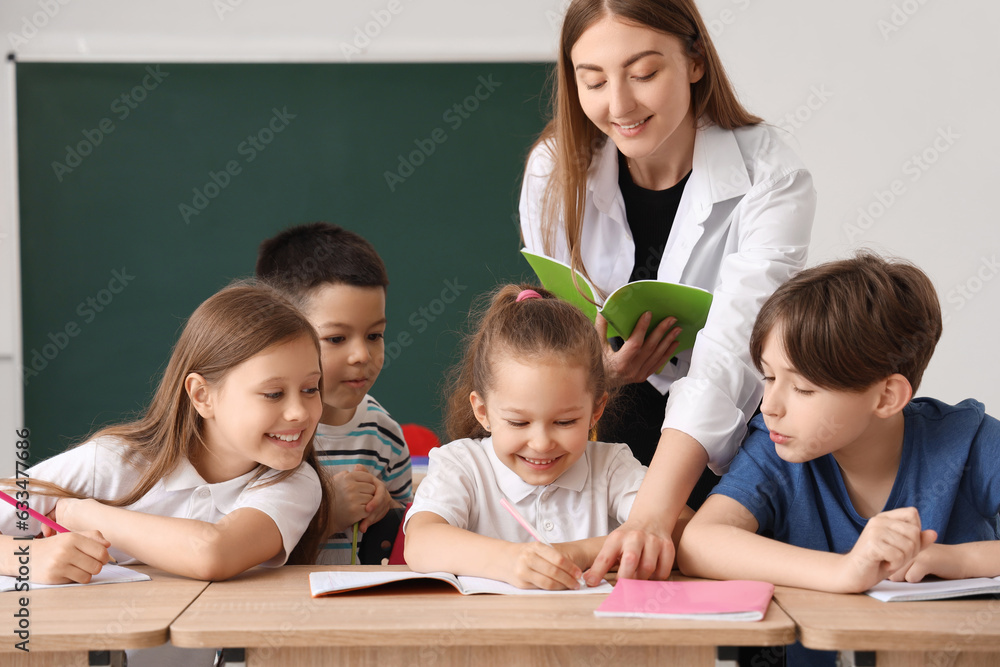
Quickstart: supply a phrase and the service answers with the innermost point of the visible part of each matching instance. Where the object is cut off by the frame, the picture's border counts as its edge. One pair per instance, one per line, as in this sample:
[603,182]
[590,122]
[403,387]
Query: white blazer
[742,229]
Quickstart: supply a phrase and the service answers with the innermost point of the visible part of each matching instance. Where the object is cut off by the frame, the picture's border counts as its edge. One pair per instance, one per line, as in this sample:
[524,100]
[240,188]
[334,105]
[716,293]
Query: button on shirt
[742,229]
[466,481]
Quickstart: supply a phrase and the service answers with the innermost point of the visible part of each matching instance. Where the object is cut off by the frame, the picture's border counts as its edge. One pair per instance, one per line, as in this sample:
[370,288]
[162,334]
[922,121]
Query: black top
[650,215]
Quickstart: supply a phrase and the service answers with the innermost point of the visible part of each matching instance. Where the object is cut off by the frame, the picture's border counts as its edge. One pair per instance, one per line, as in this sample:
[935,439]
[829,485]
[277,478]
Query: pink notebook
[696,600]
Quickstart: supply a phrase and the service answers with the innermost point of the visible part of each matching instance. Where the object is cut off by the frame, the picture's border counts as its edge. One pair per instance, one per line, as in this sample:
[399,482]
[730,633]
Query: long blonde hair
[229,328]
[574,139]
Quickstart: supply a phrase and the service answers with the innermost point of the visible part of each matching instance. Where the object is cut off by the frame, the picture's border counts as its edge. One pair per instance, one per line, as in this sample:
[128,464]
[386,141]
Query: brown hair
[229,328]
[574,139]
[848,324]
[528,329]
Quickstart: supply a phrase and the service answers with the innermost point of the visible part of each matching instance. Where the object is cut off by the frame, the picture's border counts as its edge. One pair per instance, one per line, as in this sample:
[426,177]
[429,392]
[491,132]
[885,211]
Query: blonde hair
[230,327]
[574,139]
[526,329]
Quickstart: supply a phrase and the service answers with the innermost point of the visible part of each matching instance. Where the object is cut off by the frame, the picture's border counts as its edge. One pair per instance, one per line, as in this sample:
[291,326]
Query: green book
[623,307]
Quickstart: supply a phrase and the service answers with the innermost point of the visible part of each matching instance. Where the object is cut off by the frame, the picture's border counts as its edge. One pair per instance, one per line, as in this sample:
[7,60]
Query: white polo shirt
[98,469]
[466,480]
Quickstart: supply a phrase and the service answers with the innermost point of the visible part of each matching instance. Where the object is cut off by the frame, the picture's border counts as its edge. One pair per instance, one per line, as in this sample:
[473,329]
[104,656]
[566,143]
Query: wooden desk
[67,623]
[271,614]
[942,633]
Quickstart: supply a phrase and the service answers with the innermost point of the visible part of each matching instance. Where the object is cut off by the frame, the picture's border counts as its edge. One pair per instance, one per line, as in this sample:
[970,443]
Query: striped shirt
[373,439]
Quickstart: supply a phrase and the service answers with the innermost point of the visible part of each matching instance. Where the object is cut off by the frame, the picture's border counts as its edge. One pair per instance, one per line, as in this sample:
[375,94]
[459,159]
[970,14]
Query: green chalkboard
[146,188]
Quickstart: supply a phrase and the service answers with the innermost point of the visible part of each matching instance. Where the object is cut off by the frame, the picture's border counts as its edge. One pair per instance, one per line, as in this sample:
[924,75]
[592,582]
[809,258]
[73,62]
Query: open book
[904,591]
[688,600]
[341,581]
[109,574]
[625,305]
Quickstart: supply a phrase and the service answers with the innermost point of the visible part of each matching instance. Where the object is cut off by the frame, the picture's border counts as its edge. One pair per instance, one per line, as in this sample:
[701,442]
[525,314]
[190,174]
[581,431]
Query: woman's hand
[641,355]
[641,551]
[644,544]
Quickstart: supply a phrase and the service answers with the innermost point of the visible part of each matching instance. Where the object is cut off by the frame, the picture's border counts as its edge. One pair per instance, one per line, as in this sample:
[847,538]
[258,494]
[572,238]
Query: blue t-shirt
[949,470]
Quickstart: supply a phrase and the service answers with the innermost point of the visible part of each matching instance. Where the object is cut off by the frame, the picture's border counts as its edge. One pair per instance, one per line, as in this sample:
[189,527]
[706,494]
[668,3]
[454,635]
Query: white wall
[893,104]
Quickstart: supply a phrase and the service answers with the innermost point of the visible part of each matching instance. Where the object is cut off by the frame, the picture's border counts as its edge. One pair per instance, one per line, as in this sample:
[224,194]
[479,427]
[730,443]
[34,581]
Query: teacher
[690,188]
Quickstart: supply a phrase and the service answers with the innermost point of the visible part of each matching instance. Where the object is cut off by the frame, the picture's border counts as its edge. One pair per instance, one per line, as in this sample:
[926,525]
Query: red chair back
[419,439]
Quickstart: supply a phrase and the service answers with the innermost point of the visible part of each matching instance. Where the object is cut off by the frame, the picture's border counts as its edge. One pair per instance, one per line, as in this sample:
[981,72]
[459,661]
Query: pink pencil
[44,519]
[524,522]
[41,517]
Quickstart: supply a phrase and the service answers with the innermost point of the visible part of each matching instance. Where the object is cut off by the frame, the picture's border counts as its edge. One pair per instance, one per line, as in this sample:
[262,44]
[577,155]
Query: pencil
[44,519]
[354,546]
[524,523]
[37,515]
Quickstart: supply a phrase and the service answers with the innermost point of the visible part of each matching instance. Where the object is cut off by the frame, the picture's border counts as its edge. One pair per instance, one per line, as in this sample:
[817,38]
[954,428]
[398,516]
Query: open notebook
[903,591]
[341,581]
[688,600]
[109,574]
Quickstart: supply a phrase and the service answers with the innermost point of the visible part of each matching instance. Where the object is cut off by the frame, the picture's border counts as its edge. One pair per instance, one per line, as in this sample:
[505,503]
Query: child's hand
[536,565]
[379,505]
[68,558]
[941,560]
[890,542]
[353,490]
[69,513]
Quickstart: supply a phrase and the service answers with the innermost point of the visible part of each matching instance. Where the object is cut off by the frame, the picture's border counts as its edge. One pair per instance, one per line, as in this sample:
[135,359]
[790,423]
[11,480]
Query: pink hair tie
[527,294]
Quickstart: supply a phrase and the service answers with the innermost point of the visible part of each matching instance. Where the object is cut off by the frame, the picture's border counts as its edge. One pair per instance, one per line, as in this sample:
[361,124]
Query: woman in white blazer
[690,188]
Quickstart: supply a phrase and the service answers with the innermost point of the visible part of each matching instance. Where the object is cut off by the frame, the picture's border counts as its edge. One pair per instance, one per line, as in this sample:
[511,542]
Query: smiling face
[350,323]
[264,411]
[807,421]
[539,415]
[634,84]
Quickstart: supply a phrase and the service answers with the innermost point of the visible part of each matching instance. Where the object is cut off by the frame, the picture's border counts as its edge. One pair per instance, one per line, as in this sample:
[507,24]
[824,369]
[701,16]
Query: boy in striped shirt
[339,282]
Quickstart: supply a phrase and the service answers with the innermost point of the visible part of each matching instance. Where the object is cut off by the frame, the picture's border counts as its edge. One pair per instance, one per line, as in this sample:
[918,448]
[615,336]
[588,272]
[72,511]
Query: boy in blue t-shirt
[855,481]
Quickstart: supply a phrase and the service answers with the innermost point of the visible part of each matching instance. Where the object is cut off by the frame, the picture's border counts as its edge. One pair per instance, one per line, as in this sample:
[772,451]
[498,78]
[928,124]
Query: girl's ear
[479,409]
[896,394]
[199,391]
[599,406]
